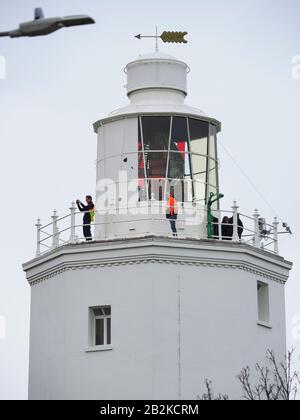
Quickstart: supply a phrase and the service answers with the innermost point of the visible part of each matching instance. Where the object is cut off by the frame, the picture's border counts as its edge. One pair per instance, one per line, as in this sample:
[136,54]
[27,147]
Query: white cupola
[156,71]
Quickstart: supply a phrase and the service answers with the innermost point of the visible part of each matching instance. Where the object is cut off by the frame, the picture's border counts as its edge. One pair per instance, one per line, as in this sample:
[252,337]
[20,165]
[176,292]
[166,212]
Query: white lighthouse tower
[141,312]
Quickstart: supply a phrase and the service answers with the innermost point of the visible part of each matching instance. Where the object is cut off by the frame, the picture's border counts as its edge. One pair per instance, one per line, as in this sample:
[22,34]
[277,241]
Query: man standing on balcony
[88,217]
[172,212]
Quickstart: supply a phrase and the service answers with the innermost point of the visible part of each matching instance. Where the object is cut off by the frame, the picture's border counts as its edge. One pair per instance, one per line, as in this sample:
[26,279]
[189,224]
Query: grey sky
[240,53]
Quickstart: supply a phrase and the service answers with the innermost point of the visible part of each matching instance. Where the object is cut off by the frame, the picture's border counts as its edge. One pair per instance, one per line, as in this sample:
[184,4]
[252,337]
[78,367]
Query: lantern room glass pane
[156,164]
[213,165]
[179,166]
[199,133]
[200,187]
[199,165]
[179,136]
[212,142]
[156,132]
[213,178]
[141,165]
[213,173]
[156,189]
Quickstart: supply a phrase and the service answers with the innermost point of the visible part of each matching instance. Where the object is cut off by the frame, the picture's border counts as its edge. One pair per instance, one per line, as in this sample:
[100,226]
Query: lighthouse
[141,312]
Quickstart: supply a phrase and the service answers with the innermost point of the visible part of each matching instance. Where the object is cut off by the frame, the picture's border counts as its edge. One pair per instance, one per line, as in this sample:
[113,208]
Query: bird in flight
[45,26]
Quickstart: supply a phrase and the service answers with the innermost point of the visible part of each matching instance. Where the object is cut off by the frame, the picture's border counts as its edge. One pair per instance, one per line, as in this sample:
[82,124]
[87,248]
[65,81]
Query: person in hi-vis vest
[172,213]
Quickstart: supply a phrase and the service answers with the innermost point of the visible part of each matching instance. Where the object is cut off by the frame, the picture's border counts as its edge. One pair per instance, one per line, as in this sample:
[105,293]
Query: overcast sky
[240,54]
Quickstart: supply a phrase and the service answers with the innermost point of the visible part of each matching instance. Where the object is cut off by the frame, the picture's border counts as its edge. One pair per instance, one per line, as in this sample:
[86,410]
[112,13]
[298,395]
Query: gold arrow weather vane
[168,37]
[174,37]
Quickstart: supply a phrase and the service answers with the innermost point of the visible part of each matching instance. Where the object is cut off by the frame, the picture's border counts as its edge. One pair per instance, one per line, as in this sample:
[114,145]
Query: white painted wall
[218,331]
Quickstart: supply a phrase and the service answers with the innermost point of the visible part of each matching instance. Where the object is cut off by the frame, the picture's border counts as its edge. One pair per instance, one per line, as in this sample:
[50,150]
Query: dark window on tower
[99,332]
[101,325]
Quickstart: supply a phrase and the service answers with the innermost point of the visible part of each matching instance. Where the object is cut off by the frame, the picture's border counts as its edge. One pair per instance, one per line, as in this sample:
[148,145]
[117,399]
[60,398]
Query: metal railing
[65,230]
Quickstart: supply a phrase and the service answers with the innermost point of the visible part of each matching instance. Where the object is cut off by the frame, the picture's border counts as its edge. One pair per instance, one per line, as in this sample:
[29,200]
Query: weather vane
[167,37]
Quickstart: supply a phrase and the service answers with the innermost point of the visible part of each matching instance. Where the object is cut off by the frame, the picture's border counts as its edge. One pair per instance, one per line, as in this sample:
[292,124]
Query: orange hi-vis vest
[172,206]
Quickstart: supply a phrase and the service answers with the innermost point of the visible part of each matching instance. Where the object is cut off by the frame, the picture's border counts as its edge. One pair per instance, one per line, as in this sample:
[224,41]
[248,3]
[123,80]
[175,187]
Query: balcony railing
[68,229]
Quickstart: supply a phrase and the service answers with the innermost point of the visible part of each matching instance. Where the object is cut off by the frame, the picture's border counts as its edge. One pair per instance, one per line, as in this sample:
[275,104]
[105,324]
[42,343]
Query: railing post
[256,239]
[235,209]
[220,226]
[152,209]
[38,237]
[73,222]
[275,235]
[55,234]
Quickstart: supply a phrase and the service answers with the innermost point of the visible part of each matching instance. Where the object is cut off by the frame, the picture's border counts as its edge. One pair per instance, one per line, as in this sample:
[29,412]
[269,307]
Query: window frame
[93,325]
[263,305]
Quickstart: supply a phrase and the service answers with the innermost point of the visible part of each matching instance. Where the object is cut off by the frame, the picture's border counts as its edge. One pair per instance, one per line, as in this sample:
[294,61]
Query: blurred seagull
[45,26]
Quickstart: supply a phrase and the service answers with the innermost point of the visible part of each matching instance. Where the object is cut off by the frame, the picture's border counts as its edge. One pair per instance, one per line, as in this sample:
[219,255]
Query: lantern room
[155,145]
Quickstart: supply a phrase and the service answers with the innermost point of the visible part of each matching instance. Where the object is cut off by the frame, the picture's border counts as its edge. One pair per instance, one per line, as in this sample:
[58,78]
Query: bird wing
[77,20]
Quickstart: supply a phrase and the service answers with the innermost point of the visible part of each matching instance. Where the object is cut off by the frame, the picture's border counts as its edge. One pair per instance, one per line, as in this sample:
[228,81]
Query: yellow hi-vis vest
[93,215]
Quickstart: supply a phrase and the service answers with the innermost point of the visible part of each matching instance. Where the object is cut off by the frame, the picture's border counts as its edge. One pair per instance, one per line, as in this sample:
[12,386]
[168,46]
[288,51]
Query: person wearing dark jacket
[88,216]
[226,229]
[215,223]
[240,227]
[172,213]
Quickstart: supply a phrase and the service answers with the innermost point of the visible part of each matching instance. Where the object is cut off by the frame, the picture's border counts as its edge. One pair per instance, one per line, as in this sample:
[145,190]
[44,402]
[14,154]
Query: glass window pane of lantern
[188,191]
[213,181]
[187,167]
[141,166]
[177,165]
[142,189]
[199,132]
[212,141]
[179,136]
[156,188]
[199,164]
[156,164]
[200,188]
[212,177]
[156,133]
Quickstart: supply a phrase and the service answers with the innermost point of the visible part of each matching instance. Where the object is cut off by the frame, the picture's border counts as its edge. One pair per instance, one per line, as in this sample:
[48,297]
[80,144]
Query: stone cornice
[154,259]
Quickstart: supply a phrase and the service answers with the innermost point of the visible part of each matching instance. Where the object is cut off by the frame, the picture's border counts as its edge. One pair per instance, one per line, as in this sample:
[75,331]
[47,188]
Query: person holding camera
[88,218]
